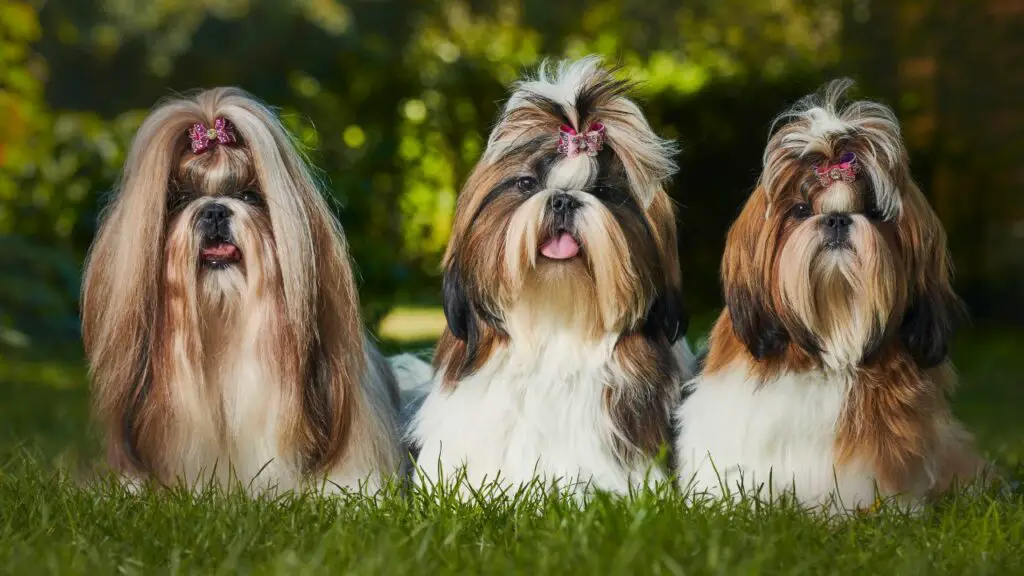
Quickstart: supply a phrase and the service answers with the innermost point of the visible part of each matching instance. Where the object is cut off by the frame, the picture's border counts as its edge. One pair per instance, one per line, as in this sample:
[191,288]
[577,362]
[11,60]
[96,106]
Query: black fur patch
[875,344]
[929,325]
[667,316]
[588,99]
[548,105]
[755,325]
[456,302]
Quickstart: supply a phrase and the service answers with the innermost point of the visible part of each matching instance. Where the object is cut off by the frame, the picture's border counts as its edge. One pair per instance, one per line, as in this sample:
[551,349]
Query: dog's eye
[527,183]
[178,201]
[251,197]
[601,191]
[801,211]
[872,211]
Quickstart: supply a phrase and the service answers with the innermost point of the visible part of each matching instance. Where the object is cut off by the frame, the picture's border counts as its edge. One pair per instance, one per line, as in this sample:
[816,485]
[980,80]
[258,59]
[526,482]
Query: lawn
[55,519]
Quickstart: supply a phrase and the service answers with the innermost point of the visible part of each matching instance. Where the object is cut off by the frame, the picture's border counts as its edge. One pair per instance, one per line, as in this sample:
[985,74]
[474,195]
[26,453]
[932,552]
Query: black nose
[563,203]
[214,223]
[838,221]
[215,213]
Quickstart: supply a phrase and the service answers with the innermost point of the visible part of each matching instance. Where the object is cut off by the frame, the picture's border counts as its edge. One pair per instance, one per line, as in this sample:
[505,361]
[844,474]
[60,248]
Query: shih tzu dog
[564,349]
[220,316]
[827,375]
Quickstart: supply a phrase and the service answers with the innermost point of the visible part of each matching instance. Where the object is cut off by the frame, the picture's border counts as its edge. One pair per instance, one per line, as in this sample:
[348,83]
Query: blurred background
[394,99]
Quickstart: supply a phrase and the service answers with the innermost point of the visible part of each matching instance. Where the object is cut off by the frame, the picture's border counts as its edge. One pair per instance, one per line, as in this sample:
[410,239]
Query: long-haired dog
[563,352]
[827,375]
[220,314]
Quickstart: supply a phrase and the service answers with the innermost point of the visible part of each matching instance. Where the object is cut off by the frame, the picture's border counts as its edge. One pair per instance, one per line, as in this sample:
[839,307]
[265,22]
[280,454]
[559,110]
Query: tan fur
[160,332]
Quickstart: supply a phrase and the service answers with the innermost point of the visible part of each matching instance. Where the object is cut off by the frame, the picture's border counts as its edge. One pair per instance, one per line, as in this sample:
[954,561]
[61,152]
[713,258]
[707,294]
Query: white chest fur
[529,413]
[770,440]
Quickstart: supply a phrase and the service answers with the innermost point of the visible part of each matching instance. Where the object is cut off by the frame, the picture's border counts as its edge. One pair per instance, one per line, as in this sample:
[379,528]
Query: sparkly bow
[846,170]
[204,138]
[572,143]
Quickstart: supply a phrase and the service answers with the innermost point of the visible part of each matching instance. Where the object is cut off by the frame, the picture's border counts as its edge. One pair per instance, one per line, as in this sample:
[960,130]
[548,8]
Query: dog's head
[837,251]
[564,221]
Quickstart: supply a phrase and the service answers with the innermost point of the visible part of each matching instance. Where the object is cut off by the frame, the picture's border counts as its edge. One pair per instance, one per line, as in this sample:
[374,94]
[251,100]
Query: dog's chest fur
[528,413]
[780,437]
[230,413]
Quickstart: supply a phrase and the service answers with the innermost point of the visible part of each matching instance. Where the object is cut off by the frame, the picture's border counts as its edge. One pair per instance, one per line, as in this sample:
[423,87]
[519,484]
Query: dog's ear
[668,316]
[755,322]
[934,308]
[928,325]
[756,325]
[472,331]
[457,309]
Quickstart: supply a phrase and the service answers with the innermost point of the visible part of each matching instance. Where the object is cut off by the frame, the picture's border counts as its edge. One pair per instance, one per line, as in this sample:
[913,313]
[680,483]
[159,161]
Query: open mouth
[561,246]
[220,254]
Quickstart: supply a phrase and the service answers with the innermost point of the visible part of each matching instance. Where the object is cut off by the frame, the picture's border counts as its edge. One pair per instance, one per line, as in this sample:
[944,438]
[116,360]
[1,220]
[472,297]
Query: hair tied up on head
[204,138]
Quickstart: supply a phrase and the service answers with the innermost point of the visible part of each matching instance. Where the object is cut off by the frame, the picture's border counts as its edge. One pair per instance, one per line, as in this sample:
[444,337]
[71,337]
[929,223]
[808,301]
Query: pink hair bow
[571,143]
[204,138]
[846,170]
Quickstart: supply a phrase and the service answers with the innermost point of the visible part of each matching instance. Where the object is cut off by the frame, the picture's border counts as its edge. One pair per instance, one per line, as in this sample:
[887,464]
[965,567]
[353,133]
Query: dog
[564,350]
[827,375]
[221,318]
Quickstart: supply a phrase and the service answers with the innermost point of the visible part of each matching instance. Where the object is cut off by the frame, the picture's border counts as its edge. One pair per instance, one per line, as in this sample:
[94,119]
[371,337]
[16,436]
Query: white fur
[649,159]
[531,412]
[413,376]
[736,438]
[572,173]
[249,450]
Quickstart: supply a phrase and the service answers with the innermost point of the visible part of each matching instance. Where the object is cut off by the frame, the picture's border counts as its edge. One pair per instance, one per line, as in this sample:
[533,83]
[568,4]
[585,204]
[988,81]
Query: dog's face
[219,226]
[564,226]
[838,252]
[836,259]
[564,221]
[562,235]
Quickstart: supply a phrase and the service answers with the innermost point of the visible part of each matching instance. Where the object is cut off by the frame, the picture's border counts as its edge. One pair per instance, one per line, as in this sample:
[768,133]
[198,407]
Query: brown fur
[142,320]
[897,417]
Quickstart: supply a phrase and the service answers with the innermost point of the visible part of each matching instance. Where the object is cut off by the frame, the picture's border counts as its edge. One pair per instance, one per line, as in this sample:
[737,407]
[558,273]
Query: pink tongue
[223,251]
[561,247]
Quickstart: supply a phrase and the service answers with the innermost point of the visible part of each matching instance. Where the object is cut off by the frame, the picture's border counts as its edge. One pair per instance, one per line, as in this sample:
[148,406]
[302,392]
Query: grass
[52,521]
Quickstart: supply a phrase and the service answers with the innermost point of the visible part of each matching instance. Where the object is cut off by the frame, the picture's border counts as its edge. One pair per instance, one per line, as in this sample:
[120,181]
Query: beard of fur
[597,296]
[844,297]
[209,321]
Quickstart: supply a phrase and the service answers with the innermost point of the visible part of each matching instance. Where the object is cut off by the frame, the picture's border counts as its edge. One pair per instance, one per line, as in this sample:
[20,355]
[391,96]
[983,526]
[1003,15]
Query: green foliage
[394,100]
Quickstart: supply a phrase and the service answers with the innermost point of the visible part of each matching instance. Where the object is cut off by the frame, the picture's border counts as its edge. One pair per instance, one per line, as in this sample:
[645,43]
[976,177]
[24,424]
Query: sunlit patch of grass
[407,324]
